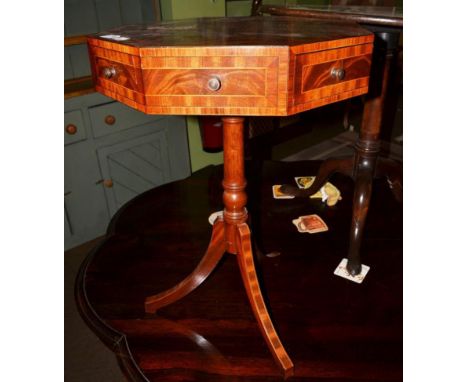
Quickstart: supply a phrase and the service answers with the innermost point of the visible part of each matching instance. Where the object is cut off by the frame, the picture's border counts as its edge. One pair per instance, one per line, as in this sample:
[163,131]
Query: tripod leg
[362,193]
[249,276]
[213,254]
[393,171]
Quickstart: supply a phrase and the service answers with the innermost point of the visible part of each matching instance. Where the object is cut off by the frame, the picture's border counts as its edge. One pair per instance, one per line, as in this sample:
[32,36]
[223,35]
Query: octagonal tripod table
[233,67]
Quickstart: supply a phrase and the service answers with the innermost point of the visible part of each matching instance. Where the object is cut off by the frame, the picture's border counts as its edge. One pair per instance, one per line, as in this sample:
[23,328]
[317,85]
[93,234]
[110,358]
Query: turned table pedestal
[232,67]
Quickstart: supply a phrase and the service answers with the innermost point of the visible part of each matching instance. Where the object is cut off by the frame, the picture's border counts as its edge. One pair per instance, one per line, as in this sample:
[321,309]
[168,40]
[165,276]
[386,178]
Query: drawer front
[330,73]
[110,73]
[211,81]
[74,127]
[208,82]
[114,117]
[117,72]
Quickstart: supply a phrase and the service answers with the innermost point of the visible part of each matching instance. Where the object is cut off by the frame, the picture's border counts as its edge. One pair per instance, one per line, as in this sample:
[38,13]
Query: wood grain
[234,183]
[254,293]
[164,68]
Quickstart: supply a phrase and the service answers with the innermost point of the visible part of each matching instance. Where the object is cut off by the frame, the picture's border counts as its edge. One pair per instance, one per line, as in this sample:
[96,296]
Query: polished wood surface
[333,329]
[369,15]
[78,86]
[234,182]
[218,32]
[75,40]
[167,68]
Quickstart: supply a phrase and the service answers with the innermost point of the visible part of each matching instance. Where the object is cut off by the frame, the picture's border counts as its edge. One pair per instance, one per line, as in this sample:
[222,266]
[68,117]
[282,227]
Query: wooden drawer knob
[108,183]
[109,72]
[214,84]
[338,73]
[71,129]
[110,119]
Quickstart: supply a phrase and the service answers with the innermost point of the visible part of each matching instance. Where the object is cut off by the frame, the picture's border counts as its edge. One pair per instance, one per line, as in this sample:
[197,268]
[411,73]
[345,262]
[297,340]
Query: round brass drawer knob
[109,72]
[110,119]
[71,129]
[338,73]
[214,84]
[108,183]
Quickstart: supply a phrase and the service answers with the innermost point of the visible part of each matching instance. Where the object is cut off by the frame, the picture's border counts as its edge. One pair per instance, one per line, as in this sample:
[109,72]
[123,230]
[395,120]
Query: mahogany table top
[233,31]
[334,330]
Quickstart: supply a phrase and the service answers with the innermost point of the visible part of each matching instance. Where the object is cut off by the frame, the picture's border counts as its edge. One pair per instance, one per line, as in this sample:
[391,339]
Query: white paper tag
[277,194]
[324,194]
[115,37]
[342,272]
[215,215]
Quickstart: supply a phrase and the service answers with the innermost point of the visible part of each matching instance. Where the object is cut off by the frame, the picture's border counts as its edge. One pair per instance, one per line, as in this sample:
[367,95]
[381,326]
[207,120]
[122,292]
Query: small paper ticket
[310,224]
[214,216]
[304,181]
[115,37]
[343,272]
[328,192]
[277,194]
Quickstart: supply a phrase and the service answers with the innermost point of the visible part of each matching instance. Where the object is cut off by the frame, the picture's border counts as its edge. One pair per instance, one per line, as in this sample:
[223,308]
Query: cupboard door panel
[135,166]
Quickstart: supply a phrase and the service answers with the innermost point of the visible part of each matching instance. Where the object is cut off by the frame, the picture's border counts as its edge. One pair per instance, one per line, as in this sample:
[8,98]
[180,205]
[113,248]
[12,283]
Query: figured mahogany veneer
[257,65]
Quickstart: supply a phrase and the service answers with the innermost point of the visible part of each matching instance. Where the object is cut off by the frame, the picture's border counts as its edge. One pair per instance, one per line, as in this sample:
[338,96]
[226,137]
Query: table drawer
[208,82]
[211,81]
[74,127]
[110,72]
[187,82]
[114,117]
[330,73]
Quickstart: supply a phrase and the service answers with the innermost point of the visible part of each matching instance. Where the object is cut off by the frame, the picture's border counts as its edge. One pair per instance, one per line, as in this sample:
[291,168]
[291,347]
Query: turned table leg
[237,235]
[365,164]
[231,234]
[368,145]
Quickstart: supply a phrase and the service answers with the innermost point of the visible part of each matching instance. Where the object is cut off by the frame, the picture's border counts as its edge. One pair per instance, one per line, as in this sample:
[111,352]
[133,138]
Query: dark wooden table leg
[368,145]
[231,234]
[365,164]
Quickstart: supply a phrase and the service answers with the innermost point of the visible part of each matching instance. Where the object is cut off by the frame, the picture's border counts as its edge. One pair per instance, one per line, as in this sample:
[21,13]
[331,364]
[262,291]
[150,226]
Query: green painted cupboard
[112,153]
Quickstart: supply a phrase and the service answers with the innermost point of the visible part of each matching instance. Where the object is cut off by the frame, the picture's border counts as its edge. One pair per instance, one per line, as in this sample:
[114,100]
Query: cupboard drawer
[74,127]
[114,117]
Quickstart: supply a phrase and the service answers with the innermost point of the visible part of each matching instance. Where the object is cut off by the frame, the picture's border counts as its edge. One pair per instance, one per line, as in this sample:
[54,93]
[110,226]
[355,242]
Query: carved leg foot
[249,276]
[213,254]
[326,170]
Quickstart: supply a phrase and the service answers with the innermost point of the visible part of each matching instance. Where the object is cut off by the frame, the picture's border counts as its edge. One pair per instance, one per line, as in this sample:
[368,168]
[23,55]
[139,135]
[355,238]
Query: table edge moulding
[272,66]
